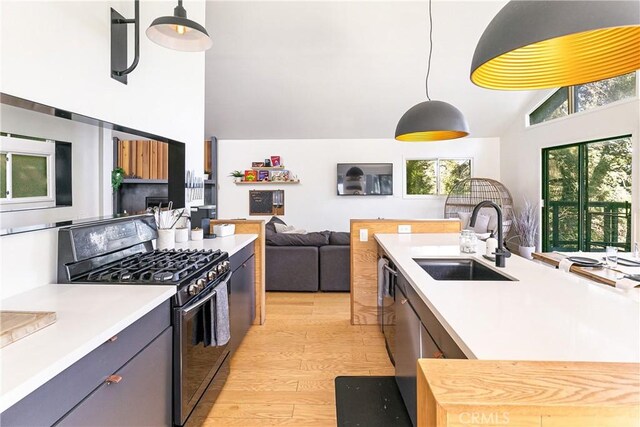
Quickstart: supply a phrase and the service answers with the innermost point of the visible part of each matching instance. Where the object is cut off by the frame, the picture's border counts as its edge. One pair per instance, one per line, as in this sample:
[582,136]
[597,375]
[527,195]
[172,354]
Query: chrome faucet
[501,252]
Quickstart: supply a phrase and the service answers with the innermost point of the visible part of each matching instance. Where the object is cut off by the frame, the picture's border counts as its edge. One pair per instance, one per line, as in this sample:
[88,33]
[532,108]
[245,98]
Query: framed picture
[275,161]
[263,175]
[250,175]
[257,164]
[279,176]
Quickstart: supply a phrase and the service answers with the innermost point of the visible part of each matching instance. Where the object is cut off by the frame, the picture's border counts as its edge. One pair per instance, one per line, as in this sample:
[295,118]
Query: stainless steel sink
[459,269]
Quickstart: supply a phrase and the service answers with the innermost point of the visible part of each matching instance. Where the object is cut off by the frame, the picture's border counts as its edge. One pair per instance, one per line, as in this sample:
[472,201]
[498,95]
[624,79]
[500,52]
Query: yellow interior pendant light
[553,43]
[431,120]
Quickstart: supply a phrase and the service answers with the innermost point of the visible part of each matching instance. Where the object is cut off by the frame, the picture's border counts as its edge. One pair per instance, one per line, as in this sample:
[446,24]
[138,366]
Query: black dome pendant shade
[548,44]
[431,120]
[179,33]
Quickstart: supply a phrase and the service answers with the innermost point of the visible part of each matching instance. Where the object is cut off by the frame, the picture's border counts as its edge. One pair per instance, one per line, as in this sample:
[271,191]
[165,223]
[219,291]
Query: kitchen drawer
[141,397]
[440,336]
[56,397]
[237,259]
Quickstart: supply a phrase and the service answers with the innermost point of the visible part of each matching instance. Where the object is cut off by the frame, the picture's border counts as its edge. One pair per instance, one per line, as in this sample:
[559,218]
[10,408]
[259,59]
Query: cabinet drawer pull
[113,379]
[113,338]
[438,355]
[404,301]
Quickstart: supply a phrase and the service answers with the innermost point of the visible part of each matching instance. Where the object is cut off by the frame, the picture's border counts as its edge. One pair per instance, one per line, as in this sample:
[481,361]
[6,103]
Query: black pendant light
[431,120]
[179,33]
[548,44]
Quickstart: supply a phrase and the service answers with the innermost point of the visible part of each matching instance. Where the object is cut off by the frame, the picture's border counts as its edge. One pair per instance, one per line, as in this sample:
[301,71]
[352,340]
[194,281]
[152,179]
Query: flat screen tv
[365,179]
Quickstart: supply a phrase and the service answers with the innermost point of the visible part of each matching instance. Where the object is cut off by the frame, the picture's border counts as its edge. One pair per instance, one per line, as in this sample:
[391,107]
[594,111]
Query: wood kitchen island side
[528,393]
[364,260]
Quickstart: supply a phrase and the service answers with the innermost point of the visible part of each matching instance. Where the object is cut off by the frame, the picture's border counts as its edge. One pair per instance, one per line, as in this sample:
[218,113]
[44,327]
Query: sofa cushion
[340,238]
[291,268]
[270,227]
[287,239]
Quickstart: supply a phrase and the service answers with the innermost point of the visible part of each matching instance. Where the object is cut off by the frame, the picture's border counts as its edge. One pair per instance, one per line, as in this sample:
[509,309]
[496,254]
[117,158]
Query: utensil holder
[166,238]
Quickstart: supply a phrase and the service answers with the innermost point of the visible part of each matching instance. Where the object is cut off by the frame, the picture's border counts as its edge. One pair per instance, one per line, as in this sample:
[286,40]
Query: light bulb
[180,29]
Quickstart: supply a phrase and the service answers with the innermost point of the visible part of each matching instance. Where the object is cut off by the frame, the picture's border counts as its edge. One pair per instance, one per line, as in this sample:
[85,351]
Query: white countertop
[230,244]
[87,316]
[546,315]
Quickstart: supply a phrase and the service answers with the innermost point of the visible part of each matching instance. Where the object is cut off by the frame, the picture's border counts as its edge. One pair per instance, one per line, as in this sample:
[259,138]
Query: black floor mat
[370,402]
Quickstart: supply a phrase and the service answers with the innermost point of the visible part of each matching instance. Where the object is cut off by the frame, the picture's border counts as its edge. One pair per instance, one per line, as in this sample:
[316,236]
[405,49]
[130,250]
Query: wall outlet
[364,235]
[403,229]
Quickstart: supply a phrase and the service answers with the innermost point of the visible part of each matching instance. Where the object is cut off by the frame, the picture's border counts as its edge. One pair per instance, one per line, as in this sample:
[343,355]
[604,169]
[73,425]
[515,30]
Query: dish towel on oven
[216,319]
[383,282]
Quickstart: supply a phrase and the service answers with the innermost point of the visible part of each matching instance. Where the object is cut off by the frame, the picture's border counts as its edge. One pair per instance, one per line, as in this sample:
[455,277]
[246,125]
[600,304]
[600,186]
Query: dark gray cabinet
[407,350]
[80,384]
[138,394]
[242,296]
[418,334]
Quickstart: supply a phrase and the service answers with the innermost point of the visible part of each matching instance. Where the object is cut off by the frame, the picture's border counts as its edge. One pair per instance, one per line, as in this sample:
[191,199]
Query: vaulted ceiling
[344,69]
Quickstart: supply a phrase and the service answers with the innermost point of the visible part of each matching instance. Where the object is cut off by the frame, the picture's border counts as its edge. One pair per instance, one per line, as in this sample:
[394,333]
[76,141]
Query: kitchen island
[523,312]
[546,314]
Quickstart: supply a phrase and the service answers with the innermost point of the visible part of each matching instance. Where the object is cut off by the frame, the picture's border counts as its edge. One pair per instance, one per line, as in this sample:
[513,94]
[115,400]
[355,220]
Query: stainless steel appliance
[387,308]
[121,252]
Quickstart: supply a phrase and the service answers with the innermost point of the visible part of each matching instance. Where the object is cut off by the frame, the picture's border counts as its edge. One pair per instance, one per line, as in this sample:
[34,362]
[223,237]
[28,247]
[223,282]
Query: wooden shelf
[266,182]
[144,181]
[265,168]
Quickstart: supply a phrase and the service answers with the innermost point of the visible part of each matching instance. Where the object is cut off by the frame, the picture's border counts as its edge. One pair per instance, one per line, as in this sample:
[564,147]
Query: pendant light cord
[430,50]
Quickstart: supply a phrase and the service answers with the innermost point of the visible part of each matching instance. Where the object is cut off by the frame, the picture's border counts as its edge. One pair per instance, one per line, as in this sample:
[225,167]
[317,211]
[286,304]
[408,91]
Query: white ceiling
[344,69]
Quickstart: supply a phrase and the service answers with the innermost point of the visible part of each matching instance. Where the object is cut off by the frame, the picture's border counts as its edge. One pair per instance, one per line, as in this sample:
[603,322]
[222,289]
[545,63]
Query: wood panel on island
[527,393]
[364,260]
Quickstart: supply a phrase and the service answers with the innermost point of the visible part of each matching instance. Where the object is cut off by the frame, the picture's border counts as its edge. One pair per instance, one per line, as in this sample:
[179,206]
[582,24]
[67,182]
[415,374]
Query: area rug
[370,402]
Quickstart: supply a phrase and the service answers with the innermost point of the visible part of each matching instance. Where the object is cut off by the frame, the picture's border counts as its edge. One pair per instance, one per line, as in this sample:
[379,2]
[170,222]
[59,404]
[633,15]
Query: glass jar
[468,242]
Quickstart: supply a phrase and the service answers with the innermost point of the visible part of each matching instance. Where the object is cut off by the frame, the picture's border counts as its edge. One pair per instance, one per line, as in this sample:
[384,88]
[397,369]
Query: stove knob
[226,265]
[192,290]
[211,275]
[219,268]
[200,284]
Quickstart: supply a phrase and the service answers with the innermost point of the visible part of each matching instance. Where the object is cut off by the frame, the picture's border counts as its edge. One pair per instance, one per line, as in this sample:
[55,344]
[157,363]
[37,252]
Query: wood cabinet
[140,354]
[527,393]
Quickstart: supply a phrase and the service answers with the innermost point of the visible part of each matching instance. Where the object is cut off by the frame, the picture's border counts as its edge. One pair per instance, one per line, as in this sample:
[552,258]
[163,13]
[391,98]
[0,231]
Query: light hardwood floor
[283,373]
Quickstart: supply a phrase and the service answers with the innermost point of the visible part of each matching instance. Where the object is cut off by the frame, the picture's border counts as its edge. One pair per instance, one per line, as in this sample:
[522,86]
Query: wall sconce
[173,32]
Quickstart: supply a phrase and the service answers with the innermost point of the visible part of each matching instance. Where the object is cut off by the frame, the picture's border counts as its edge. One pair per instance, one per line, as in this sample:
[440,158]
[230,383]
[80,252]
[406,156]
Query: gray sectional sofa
[306,262]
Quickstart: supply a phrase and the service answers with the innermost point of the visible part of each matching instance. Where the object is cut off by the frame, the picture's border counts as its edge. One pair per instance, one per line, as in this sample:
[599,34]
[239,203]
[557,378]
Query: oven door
[194,364]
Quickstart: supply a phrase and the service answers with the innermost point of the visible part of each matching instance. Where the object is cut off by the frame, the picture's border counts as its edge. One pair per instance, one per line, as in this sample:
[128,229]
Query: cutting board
[18,324]
[597,275]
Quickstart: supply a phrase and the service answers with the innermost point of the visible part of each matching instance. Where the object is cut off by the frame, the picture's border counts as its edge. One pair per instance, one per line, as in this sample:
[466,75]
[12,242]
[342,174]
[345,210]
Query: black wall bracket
[119,69]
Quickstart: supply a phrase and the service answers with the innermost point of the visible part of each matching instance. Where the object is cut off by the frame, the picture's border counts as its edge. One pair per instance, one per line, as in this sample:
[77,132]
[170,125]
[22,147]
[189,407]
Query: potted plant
[237,176]
[526,228]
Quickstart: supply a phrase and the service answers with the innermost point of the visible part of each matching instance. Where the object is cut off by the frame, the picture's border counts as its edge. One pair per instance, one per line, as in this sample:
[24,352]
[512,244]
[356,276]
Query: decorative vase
[526,251]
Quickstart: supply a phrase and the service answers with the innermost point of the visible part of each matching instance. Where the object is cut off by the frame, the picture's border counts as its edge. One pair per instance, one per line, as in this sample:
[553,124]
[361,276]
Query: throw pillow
[339,238]
[464,219]
[281,228]
[482,222]
[270,227]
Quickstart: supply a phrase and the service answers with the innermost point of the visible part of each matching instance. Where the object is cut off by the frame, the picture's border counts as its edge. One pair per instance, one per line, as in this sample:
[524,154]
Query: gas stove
[121,252]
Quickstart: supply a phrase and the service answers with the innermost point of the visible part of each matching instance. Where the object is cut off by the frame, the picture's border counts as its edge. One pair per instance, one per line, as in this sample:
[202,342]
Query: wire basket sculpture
[468,193]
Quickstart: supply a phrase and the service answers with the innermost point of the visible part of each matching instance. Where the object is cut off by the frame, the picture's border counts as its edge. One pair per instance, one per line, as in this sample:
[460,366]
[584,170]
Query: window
[573,99]
[425,177]
[27,178]
[587,195]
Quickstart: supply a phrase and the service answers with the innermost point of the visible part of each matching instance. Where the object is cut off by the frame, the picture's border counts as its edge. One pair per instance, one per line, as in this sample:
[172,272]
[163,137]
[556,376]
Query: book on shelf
[279,175]
[263,175]
[250,175]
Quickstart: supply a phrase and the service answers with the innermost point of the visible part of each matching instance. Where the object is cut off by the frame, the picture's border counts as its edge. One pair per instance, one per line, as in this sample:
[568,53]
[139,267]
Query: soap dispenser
[492,245]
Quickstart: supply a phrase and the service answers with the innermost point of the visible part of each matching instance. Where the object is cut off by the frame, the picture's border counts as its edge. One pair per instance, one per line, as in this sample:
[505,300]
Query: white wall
[58,53]
[521,161]
[85,142]
[314,205]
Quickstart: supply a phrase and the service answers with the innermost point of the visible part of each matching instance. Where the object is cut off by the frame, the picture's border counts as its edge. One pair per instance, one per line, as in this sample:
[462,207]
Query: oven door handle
[203,301]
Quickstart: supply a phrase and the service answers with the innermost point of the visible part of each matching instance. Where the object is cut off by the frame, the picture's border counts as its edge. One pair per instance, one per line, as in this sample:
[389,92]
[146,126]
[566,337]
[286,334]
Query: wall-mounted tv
[365,179]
